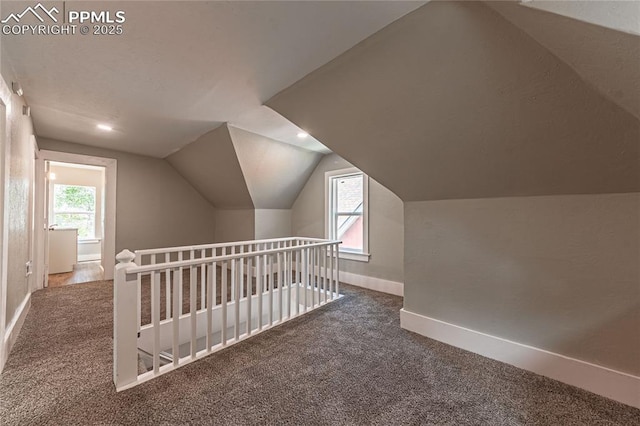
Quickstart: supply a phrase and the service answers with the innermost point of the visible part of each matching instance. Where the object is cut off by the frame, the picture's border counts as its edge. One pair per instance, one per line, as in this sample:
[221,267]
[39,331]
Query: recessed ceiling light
[303,135]
[104,127]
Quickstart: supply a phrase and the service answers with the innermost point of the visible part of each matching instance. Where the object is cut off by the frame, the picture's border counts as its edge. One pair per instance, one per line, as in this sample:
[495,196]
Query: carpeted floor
[346,363]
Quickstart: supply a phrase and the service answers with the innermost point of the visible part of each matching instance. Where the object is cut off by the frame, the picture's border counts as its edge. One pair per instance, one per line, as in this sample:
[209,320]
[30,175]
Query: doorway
[77,220]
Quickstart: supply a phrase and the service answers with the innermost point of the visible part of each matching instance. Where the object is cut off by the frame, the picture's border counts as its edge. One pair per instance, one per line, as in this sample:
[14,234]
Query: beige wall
[386,223]
[272,223]
[235,225]
[555,272]
[155,206]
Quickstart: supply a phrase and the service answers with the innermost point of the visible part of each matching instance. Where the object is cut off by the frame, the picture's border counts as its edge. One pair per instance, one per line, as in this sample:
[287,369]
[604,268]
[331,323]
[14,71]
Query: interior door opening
[75,217]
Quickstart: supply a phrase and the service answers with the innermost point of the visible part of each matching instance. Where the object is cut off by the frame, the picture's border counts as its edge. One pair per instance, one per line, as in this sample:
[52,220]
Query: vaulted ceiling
[237,169]
[607,57]
[447,100]
[180,69]
[455,101]
[211,165]
[275,172]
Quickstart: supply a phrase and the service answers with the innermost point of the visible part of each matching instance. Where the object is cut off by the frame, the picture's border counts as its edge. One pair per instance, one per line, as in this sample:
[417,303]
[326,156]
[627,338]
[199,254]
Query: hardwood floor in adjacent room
[83,272]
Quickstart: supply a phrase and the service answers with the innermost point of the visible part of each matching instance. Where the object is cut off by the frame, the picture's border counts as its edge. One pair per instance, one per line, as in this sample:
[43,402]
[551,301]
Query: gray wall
[18,192]
[234,225]
[272,223]
[385,223]
[453,102]
[555,272]
[155,206]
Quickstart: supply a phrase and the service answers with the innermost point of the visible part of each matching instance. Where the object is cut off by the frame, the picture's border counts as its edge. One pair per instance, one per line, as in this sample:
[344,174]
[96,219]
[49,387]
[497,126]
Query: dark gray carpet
[346,363]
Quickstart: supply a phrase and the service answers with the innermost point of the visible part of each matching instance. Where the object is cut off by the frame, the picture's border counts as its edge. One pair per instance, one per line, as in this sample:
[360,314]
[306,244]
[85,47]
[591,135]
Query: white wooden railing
[179,304]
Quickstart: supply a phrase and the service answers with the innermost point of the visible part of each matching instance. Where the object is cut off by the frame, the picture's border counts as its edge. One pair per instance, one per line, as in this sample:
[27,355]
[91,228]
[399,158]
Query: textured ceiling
[454,101]
[181,68]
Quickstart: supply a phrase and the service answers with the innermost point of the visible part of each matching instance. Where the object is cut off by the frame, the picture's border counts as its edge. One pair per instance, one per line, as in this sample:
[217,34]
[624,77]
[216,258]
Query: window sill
[358,257]
[89,241]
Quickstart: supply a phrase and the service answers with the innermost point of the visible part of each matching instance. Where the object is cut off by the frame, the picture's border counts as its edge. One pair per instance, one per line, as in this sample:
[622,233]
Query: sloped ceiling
[180,68]
[236,169]
[454,101]
[274,172]
[606,58]
[210,164]
[265,121]
[619,15]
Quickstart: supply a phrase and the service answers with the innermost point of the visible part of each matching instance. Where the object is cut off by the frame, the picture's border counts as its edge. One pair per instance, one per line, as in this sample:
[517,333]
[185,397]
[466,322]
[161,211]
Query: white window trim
[348,254]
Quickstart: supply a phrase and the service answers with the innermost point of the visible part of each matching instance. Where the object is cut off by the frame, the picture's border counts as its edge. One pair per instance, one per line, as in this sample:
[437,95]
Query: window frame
[329,212]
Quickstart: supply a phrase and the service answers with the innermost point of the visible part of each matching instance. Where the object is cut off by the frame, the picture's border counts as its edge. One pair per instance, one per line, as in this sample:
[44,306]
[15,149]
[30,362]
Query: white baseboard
[89,257]
[14,327]
[603,381]
[372,283]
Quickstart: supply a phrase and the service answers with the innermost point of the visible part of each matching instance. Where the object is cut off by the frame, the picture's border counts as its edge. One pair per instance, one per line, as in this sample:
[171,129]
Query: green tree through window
[75,207]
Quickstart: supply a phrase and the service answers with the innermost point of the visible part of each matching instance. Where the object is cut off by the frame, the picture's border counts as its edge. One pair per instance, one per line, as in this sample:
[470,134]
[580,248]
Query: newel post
[125,322]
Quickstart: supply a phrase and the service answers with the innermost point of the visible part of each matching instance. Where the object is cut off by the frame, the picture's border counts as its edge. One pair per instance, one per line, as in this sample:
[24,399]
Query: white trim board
[111,173]
[14,327]
[5,138]
[616,385]
[372,283]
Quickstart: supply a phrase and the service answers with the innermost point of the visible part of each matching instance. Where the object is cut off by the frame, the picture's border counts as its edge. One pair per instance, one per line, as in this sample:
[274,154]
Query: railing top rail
[144,252]
[199,261]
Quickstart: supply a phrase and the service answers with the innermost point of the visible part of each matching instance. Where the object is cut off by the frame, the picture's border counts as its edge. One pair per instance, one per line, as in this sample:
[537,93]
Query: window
[75,207]
[347,212]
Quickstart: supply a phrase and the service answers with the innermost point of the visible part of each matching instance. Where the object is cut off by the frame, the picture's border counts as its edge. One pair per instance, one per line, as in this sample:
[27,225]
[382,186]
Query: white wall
[386,223]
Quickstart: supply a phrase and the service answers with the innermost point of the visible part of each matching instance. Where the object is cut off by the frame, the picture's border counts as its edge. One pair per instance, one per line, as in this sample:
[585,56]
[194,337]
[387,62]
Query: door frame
[110,182]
